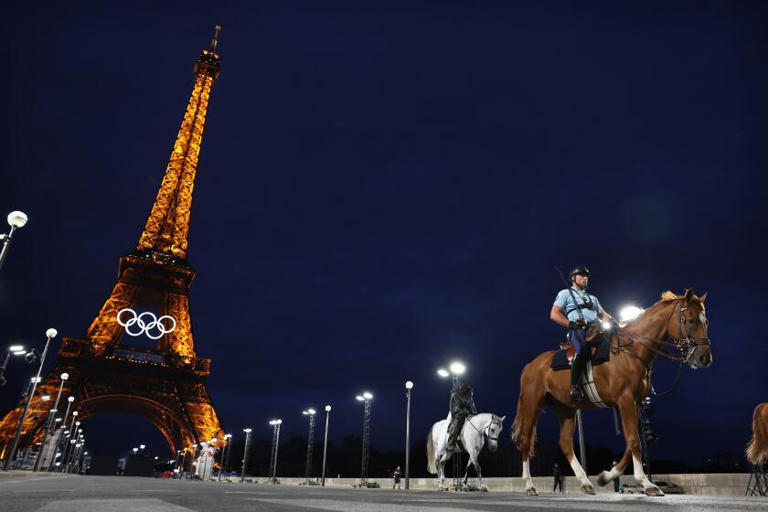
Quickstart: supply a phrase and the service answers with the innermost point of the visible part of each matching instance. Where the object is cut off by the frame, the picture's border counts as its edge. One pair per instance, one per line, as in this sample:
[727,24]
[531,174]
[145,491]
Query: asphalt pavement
[74,493]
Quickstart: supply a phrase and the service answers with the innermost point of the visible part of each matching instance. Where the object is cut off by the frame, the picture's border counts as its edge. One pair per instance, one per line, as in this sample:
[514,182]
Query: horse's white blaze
[579,471]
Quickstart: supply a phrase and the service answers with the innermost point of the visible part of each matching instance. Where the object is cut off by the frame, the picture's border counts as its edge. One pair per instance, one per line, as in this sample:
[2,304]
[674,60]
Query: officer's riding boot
[453,435]
[577,368]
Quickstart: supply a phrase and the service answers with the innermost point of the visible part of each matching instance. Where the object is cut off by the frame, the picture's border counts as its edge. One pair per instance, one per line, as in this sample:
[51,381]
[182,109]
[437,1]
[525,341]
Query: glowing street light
[224,450]
[245,452]
[310,441]
[442,372]
[408,388]
[16,350]
[49,334]
[275,444]
[50,423]
[366,398]
[16,220]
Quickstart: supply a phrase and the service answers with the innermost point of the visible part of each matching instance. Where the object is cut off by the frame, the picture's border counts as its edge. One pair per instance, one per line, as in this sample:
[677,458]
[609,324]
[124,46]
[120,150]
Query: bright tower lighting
[457,368]
[629,313]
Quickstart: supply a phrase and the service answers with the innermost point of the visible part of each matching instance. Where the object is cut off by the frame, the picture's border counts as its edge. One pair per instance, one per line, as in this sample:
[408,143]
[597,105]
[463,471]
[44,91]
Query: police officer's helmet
[581,270]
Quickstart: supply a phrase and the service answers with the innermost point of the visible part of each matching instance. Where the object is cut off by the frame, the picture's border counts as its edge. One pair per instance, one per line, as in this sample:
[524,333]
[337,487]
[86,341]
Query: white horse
[473,435]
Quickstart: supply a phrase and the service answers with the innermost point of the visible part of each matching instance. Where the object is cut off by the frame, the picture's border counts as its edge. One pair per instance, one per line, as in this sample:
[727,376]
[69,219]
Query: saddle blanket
[602,353]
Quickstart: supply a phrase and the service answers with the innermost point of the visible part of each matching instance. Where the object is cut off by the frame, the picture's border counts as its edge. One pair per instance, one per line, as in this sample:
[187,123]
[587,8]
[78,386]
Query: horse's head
[493,430]
[688,327]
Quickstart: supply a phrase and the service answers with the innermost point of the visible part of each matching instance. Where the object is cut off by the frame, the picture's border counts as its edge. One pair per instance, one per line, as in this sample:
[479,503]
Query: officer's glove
[577,324]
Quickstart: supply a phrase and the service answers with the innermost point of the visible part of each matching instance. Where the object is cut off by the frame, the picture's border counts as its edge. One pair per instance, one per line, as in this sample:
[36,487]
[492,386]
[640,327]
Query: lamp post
[16,220]
[366,398]
[408,388]
[310,442]
[49,423]
[325,442]
[223,451]
[49,334]
[275,444]
[61,431]
[141,448]
[245,452]
[16,350]
[455,370]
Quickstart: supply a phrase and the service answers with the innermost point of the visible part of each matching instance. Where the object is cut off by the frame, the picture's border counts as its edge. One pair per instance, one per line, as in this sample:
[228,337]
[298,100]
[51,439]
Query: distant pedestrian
[396,476]
[558,477]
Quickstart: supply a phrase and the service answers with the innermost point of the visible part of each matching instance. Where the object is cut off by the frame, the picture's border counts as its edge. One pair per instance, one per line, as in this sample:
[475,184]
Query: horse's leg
[567,416]
[628,410]
[524,434]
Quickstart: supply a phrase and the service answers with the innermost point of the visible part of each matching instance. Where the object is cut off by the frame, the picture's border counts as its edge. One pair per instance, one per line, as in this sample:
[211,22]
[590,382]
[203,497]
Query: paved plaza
[71,493]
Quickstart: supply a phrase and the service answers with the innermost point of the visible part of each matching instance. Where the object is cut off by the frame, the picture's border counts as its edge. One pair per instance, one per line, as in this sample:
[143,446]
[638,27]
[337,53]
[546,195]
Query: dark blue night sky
[383,188]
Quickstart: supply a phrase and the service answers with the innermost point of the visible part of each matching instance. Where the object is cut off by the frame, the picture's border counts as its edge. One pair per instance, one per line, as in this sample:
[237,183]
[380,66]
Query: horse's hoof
[587,488]
[652,490]
[603,478]
[531,491]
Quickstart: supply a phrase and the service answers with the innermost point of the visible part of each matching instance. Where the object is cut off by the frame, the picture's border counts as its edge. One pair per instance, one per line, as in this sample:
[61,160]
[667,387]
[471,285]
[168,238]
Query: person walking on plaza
[396,476]
[558,474]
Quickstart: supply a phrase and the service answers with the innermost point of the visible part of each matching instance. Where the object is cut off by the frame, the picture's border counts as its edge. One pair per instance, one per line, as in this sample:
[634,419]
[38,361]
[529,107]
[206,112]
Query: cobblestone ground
[69,493]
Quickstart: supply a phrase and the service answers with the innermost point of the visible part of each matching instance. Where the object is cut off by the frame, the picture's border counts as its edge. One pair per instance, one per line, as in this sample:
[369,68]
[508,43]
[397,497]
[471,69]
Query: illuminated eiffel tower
[165,384]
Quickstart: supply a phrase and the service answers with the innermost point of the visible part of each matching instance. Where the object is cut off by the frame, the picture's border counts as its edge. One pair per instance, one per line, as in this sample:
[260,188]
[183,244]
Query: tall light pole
[366,398]
[16,350]
[223,450]
[49,423]
[49,334]
[310,441]
[245,452]
[325,442]
[275,444]
[62,429]
[455,370]
[408,388]
[16,220]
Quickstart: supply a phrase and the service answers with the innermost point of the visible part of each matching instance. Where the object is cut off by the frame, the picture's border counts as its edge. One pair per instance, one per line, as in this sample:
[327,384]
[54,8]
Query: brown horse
[621,382]
[757,449]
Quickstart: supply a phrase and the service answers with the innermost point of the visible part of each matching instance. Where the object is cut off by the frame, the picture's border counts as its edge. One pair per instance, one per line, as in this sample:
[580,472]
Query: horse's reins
[488,428]
[684,343]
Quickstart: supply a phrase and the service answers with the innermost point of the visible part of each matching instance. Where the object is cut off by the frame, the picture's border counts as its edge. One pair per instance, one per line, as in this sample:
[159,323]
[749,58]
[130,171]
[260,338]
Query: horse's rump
[757,449]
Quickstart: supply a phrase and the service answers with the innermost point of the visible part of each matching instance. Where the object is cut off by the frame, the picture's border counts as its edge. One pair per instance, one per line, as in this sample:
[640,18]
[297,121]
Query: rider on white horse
[462,405]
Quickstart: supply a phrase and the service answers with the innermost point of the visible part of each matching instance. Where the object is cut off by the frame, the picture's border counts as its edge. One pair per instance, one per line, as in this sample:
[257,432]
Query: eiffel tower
[165,384]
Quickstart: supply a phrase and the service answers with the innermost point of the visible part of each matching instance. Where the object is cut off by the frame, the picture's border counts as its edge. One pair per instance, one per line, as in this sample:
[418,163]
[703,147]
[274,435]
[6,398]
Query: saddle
[599,351]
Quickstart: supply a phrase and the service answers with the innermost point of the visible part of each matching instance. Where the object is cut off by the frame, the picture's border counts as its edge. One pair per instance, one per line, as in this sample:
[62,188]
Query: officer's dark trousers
[454,429]
[580,356]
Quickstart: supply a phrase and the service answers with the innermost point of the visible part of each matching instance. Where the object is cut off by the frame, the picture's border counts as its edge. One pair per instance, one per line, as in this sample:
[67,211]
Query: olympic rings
[144,326]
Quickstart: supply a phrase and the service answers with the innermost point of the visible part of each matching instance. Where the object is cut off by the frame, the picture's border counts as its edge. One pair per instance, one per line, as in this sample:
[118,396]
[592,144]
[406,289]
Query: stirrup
[576,395]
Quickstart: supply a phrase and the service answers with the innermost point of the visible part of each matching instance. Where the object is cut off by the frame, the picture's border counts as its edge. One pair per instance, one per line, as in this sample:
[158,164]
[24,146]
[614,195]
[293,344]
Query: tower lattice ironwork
[165,384]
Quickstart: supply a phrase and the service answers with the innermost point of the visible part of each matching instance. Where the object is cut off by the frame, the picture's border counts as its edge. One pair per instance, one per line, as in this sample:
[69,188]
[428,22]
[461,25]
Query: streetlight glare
[16,348]
[45,398]
[51,333]
[458,368]
[64,376]
[359,398]
[19,352]
[327,408]
[17,219]
[630,312]
[442,372]
[408,385]
[71,399]
[367,395]
[142,446]
[246,430]
[607,326]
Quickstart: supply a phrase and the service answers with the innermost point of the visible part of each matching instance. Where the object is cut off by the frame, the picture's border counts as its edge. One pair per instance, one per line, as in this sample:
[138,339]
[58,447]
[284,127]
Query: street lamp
[245,452]
[135,450]
[366,398]
[49,334]
[408,388]
[49,424]
[310,440]
[224,449]
[141,448]
[16,350]
[275,443]
[16,220]
[325,442]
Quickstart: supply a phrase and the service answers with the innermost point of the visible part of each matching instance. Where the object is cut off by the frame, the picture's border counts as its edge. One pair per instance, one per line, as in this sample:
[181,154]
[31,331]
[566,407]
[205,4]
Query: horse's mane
[667,297]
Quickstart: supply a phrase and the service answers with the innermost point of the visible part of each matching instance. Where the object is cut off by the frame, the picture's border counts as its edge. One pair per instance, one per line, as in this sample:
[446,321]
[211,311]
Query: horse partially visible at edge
[678,321]
[757,449]
[473,436]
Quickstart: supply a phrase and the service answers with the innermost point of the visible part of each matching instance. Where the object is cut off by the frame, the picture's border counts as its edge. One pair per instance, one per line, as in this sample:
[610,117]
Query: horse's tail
[517,424]
[431,467]
[757,449]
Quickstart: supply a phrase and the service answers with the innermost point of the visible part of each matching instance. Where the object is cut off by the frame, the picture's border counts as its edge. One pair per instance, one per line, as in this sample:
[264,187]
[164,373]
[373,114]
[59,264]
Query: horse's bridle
[685,343]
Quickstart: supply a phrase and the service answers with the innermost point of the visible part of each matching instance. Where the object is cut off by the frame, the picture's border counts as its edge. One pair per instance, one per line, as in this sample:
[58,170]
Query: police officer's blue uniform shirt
[565,301]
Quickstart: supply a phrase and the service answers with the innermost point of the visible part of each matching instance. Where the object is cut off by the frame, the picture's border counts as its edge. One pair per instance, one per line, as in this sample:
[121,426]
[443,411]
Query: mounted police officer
[577,310]
[462,406]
